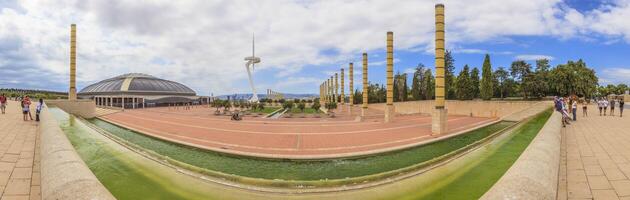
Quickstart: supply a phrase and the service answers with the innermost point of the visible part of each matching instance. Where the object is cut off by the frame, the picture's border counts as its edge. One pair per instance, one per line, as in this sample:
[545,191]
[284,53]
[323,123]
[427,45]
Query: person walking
[612,106]
[38,109]
[605,104]
[621,107]
[558,107]
[27,107]
[3,103]
[600,105]
[574,110]
[584,108]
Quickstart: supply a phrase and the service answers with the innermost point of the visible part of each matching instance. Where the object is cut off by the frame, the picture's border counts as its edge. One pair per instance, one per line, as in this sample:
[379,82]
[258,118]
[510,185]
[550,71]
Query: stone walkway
[595,160]
[19,156]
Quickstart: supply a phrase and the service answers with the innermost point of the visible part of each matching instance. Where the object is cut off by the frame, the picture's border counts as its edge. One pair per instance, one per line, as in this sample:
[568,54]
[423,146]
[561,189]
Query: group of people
[604,104]
[567,105]
[25,105]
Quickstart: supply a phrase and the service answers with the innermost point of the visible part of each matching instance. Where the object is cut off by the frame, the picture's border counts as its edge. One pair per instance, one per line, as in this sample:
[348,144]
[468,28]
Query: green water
[129,176]
[300,170]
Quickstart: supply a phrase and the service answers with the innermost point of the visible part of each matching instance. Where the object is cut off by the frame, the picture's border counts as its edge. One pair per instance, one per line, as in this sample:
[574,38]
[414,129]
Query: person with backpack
[38,109]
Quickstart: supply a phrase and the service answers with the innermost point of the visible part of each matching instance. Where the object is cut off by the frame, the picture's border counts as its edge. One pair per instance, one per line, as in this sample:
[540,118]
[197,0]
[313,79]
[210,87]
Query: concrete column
[111,101]
[438,125]
[389,107]
[365,84]
[336,88]
[351,86]
[144,102]
[72,93]
[343,95]
[122,103]
[133,102]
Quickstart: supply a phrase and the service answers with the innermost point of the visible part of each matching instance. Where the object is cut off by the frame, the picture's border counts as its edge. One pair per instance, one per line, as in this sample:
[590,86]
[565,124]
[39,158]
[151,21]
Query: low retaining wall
[64,174]
[535,174]
[83,108]
[475,108]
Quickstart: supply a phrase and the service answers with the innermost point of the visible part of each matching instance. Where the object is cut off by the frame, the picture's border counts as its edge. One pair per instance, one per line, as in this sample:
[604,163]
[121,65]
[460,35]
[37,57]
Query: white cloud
[202,43]
[614,75]
[529,57]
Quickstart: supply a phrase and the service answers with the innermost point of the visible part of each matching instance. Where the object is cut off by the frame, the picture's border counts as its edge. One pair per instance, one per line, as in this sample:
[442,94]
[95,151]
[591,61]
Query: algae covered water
[300,170]
[130,176]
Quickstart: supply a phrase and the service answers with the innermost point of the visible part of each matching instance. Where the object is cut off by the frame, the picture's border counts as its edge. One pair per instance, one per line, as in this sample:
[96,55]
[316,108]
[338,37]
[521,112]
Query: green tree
[573,78]
[463,84]
[301,106]
[486,87]
[449,75]
[538,82]
[428,85]
[400,87]
[474,82]
[418,78]
[520,71]
[622,88]
[316,106]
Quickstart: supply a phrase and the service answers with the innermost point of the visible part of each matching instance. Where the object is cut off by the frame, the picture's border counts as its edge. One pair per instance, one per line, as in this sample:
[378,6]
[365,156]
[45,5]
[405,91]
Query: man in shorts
[3,103]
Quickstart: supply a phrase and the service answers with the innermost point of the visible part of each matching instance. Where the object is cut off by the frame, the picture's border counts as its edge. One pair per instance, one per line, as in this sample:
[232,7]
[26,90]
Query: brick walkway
[19,156]
[595,160]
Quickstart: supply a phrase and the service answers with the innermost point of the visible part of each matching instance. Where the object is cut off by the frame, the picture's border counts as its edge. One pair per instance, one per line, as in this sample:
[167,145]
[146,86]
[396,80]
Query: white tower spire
[250,62]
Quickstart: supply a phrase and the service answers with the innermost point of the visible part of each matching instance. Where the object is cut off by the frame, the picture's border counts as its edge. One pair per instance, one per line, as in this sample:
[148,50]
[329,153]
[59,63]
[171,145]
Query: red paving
[287,137]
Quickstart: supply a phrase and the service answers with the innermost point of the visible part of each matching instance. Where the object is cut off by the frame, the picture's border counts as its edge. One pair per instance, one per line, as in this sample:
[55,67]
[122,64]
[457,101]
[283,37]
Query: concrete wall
[64,174]
[81,107]
[474,108]
[535,174]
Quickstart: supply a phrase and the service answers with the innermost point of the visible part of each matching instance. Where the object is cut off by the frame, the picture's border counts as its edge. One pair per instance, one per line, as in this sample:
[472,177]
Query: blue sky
[301,43]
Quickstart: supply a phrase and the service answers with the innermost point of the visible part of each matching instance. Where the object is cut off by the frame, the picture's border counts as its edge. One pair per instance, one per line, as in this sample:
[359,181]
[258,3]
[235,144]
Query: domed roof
[137,83]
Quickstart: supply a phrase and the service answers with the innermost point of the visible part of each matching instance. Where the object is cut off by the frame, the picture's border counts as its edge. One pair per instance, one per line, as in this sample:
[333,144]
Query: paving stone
[16,197]
[622,187]
[614,174]
[598,182]
[18,187]
[4,178]
[22,173]
[604,195]
[593,170]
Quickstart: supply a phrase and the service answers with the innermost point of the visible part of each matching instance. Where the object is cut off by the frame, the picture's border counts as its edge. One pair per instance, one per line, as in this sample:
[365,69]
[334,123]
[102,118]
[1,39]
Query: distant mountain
[262,96]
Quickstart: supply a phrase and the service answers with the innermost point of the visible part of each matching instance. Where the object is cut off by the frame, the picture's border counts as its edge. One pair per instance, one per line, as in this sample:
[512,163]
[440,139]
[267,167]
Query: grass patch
[266,110]
[306,110]
[300,170]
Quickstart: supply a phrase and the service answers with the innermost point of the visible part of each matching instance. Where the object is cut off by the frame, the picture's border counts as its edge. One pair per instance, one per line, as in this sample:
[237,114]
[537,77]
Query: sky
[202,43]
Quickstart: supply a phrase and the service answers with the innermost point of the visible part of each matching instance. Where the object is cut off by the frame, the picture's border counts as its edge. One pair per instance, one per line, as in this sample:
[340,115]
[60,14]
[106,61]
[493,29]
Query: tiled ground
[19,156]
[595,160]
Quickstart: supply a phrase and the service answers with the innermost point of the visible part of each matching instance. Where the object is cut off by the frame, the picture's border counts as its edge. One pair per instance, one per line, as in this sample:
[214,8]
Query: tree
[573,78]
[418,78]
[428,85]
[358,97]
[449,77]
[520,71]
[537,83]
[400,87]
[463,84]
[301,106]
[486,89]
[622,88]
[474,82]
[315,106]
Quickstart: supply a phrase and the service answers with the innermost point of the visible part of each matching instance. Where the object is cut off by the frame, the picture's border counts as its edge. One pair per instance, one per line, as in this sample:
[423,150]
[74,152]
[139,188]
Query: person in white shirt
[605,104]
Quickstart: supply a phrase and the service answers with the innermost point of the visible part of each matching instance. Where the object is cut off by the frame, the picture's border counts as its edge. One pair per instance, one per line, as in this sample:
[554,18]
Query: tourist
[574,109]
[621,107]
[38,109]
[559,108]
[605,104]
[584,108]
[612,106]
[27,107]
[3,103]
[600,105]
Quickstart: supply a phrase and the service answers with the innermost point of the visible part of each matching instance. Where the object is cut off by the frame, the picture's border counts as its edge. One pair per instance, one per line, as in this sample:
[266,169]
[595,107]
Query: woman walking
[3,103]
[605,104]
[600,105]
[26,102]
[612,106]
[574,110]
[584,108]
[621,107]
[38,109]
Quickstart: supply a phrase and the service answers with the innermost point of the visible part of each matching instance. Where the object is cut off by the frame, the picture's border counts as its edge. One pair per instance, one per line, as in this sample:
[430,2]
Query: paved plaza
[19,156]
[595,160]
[288,137]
